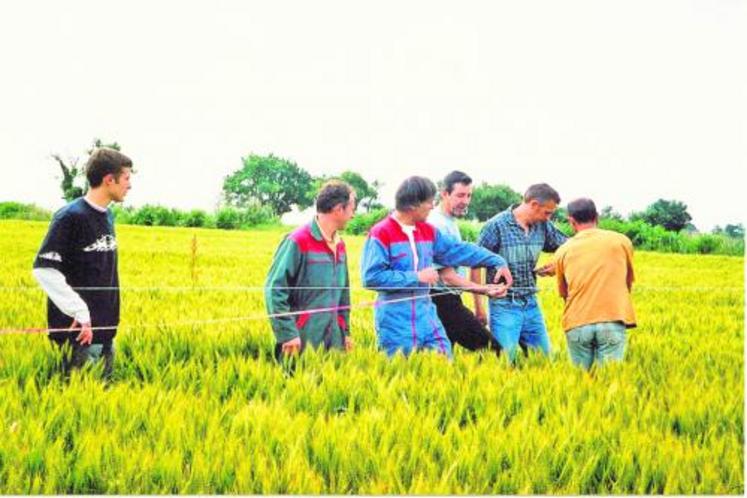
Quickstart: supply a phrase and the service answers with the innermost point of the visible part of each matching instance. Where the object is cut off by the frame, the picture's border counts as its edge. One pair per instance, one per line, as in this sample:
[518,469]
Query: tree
[672,215]
[269,181]
[608,213]
[735,231]
[487,200]
[73,182]
[366,193]
[560,215]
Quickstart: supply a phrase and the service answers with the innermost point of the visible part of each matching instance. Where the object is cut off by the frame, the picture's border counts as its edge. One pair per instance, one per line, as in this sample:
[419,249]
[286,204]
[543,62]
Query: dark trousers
[75,356]
[462,326]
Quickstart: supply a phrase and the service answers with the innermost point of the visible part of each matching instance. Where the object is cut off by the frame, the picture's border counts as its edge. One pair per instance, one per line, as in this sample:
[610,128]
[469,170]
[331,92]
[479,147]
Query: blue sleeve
[376,270]
[554,238]
[448,251]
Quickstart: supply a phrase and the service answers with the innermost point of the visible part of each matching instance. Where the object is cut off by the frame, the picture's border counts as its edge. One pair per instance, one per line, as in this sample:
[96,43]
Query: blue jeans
[600,342]
[518,320]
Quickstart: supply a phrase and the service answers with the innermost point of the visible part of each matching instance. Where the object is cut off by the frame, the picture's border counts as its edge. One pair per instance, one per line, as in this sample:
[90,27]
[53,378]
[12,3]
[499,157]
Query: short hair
[332,193]
[105,161]
[542,193]
[582,210]
[453,178]
[413,192]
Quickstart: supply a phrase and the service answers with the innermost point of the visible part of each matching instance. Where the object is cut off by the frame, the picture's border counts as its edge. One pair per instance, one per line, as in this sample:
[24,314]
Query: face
[457,202]
[422,210]
[344,212]
[542,212]
[118,187]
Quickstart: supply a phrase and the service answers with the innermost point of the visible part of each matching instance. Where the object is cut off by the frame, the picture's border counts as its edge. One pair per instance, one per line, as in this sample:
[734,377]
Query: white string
[213,321]
[276,287]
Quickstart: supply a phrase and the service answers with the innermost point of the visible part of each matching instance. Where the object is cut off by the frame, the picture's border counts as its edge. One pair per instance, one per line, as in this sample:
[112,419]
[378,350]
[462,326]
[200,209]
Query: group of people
[415,259]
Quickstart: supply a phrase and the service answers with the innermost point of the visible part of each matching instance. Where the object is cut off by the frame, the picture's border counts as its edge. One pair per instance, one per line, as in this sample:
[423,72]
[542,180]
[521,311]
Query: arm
[452,278]
[49,265]
[61,294]
[476,275]
[560,274]
[630,277]
[554,238]
[377,272]
[344,313]
[67,300]
[282,274]
[448,251]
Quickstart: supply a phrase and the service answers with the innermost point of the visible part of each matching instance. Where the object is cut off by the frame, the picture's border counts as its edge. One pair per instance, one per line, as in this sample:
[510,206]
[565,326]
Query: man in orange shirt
[595,277]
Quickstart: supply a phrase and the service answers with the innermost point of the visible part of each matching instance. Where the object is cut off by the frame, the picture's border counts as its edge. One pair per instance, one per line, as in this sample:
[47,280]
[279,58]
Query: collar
[95,206]
[410,228]
[318,233]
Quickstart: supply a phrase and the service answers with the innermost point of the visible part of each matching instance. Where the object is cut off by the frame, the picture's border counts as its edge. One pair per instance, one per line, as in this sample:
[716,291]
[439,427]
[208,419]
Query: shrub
[470,230]
[20,211]
[362,223]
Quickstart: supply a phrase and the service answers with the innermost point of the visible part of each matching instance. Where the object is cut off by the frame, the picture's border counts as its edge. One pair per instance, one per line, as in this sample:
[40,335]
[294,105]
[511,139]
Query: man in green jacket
[310,272]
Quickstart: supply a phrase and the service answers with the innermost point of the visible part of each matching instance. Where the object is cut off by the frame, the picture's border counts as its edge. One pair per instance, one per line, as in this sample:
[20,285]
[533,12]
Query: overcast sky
[625,102]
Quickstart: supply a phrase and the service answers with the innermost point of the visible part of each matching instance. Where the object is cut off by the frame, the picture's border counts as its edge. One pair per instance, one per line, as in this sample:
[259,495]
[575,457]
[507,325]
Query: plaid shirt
[503,235]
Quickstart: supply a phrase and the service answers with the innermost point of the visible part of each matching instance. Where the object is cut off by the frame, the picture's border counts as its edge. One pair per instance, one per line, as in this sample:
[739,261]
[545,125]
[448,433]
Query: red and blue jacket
[405,317]
[305,275]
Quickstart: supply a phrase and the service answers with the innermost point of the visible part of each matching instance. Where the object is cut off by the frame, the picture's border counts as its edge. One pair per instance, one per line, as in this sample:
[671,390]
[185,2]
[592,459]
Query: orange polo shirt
[595,265]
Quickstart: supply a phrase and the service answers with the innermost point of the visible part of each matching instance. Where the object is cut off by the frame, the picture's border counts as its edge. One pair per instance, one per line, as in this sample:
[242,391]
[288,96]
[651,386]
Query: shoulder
[621,238]
[301,238]
[563,249]
[437,219]
[70,213]
[426,229]
[498,220]
[387,232]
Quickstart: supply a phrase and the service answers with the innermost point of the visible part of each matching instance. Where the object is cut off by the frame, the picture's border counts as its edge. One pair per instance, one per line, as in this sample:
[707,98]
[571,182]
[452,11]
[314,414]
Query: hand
[545,271]
[85,337]
[482,316]
[494,291]
[292,347]
[348,343]
[428,276]
[504,273]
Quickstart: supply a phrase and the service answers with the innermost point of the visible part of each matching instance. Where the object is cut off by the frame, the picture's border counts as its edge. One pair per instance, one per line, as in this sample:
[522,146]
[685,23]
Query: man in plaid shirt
[520,234]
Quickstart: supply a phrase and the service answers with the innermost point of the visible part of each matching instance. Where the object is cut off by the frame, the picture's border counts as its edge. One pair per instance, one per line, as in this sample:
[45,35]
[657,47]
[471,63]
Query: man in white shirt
[462,326]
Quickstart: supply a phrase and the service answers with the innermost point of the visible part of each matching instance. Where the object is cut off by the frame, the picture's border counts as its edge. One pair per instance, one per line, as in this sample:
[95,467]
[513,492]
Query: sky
[624,102]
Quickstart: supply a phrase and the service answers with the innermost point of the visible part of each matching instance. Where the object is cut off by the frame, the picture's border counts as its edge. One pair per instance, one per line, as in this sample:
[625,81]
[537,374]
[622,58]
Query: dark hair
[105,161]
[453,178]
[413,192]
[331,194]
[582,210]
[542,193]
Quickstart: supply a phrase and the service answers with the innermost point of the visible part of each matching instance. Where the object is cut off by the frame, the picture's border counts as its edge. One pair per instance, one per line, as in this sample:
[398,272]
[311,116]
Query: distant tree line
[266,187]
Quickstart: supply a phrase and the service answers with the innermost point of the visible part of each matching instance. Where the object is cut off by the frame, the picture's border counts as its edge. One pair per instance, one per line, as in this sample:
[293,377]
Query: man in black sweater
[77,266]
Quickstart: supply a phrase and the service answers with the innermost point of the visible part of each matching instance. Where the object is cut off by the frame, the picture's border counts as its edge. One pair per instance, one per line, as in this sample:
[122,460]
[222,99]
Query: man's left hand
[505,273]
[546,271]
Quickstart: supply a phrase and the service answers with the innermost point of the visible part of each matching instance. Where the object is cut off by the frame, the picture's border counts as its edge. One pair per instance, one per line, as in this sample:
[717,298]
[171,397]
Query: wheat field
[197,405]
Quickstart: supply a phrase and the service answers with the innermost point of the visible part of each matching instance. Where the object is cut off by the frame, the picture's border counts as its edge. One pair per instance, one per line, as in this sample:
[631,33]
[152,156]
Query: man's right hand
[85,337]
[494,291]
[428,276]
[292,347]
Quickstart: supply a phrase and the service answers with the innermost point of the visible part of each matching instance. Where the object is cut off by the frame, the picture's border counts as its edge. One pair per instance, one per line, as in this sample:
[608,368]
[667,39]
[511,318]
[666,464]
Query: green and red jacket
[306,275]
